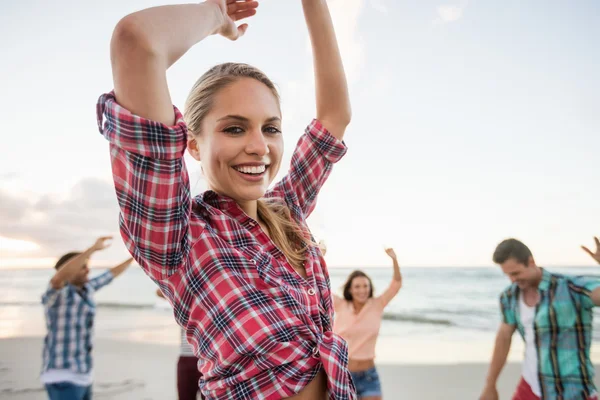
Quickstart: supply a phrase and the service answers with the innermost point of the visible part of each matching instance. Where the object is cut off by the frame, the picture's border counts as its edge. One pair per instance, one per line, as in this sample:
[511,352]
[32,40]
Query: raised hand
[102,243]
[594,255]
[233,11]
[390,252]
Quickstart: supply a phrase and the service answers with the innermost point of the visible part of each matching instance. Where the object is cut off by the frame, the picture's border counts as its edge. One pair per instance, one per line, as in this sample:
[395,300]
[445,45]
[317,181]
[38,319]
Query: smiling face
[524,275]
[360,289]
[240,144]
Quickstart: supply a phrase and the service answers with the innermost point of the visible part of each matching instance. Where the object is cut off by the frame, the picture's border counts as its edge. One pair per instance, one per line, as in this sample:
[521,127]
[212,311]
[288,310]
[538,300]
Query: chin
[249,195]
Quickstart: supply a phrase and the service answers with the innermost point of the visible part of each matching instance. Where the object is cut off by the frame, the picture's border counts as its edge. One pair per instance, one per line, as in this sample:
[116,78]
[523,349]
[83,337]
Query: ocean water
[433,301]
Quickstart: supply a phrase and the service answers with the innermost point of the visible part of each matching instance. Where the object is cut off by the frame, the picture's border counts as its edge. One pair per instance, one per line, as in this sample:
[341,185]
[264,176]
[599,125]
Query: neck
[77,285]
[357,306]
[250,208]
[538,278]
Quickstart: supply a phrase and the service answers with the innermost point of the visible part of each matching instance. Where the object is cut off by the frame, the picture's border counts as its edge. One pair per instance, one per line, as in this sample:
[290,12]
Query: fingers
[242,29]
[587,251]
[597,242]
[235,7]
[242,14]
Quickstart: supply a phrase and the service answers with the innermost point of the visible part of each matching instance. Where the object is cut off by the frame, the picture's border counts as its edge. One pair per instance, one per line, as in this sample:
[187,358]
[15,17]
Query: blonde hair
[287,235]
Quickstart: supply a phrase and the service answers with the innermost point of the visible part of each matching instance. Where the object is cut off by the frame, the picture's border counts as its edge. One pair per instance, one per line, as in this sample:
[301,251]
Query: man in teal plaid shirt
[553,315]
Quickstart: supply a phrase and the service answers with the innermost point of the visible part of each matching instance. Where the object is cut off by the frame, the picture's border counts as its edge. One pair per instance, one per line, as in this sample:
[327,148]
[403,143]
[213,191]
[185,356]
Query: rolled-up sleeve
[151,183]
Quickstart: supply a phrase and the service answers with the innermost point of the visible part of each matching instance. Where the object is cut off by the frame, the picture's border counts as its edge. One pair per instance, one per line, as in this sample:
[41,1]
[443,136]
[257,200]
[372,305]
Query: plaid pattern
[563,327]
[261,331]
[70,316]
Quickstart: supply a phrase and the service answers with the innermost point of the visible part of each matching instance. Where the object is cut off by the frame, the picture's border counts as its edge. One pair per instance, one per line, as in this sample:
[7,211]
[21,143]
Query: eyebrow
[244,119]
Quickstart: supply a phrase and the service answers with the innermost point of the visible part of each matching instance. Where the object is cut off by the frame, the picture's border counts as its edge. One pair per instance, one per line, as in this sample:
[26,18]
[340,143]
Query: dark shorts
[367,383]
[187,378]
[68,391]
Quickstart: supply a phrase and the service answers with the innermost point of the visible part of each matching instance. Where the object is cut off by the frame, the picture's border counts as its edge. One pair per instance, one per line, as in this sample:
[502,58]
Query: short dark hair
[512,248]
[348,284]
[61,261]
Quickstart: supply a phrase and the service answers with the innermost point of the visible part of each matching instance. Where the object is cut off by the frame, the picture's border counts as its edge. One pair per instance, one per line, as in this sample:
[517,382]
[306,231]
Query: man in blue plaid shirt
[553,314]
[70,309]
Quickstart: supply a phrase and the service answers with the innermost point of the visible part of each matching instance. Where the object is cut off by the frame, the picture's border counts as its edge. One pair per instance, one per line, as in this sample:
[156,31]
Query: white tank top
[530,362]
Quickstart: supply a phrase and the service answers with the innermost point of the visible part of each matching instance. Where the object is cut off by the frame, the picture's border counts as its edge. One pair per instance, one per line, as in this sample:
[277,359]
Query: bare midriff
[360,365]
[315,390]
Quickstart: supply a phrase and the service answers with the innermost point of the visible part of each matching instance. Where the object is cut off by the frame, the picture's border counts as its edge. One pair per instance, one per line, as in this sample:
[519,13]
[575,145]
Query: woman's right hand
[233,11]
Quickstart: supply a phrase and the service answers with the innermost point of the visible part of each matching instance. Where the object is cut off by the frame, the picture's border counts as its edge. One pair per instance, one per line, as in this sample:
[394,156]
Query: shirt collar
[224,204]
[218,200]
[545,283]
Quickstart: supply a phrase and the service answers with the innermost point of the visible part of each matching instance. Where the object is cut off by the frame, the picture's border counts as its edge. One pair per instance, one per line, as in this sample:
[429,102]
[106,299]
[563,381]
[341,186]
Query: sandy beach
[144,371]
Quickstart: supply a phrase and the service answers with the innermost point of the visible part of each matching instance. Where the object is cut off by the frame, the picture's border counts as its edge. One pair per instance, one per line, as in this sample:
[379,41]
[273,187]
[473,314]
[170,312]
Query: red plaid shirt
[261,330]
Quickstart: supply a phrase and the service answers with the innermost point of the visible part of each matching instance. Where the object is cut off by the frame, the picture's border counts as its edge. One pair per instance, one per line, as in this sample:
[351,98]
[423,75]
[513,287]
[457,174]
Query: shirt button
[315,353]
[253,262]
[311,291]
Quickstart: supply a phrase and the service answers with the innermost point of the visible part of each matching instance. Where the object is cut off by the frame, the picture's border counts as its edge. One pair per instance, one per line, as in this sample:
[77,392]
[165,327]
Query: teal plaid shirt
[563,333]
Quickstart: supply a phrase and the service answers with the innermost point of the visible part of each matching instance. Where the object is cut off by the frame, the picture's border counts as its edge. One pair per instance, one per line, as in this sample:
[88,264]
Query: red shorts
[524,392]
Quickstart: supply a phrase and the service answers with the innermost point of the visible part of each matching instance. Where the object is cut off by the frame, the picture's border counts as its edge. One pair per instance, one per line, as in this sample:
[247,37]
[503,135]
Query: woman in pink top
[358,318]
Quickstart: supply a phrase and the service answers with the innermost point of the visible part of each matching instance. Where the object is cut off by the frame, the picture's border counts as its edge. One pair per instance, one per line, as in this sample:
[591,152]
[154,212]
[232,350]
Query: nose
[257,143]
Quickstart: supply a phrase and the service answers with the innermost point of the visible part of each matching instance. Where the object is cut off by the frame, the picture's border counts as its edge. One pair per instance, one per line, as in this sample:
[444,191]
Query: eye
[271,130]
[233,130]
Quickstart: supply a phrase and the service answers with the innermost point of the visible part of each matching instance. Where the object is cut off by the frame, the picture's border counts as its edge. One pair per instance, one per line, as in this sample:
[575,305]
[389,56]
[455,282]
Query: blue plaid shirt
[70,316]
[563,333]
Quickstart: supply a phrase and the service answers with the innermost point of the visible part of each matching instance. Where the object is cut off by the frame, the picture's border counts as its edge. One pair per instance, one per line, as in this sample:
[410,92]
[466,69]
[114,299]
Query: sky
[473,121]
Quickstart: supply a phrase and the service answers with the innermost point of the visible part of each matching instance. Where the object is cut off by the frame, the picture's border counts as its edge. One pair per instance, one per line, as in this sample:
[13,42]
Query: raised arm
[396,283]
[320,147]
[147,134]
[333,101]
[119,269]
[71,267]
[595,294]
[146,43]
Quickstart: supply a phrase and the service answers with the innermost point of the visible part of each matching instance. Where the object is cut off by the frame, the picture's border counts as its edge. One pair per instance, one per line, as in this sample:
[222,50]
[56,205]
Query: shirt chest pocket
[262,270]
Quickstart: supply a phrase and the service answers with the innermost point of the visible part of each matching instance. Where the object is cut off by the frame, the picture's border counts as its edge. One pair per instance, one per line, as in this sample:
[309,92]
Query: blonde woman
[237,263]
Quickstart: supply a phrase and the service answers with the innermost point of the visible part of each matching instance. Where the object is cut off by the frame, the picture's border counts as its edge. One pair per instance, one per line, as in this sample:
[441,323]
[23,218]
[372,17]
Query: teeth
[251,170]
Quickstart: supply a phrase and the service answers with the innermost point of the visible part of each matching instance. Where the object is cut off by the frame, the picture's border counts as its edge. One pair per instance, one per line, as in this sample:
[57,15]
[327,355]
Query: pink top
[361,330]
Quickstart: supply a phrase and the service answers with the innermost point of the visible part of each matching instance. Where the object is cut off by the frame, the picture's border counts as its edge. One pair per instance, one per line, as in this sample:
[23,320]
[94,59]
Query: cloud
[450,13]
[59,224]
[8,176]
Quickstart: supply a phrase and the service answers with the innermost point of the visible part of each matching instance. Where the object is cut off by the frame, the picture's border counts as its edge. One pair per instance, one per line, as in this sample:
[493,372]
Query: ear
[192,146]
[530,262]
